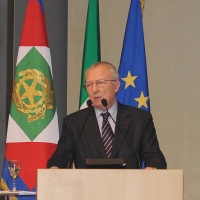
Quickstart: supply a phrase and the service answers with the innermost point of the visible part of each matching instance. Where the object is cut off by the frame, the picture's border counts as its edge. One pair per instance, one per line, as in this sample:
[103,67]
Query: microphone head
[89,102]
[104,102]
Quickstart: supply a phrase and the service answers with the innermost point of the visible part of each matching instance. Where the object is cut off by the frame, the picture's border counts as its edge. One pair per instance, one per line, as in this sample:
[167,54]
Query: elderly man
[107,129]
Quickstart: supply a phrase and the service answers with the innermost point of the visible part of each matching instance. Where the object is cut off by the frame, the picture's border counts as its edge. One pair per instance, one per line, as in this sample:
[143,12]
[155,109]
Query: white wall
[172,37]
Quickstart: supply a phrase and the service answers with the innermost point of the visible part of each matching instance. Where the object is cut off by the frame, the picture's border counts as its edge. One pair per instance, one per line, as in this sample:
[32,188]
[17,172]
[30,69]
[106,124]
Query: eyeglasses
[99,83]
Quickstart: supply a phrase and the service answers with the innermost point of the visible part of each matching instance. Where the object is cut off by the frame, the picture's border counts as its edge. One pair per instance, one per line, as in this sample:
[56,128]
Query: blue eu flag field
[132,69]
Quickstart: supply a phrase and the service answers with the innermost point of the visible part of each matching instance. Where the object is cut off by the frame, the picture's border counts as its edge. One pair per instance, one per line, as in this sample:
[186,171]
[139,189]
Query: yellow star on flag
[129,80]
[142,100]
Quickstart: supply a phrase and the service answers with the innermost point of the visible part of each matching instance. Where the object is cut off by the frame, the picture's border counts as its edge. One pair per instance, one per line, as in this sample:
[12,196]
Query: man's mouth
[97,98]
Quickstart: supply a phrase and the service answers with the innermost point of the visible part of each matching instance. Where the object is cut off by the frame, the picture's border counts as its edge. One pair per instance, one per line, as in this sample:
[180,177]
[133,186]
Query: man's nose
[94,87]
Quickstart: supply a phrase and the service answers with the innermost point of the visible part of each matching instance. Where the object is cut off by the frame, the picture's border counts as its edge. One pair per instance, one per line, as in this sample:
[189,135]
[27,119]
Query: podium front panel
[109,184]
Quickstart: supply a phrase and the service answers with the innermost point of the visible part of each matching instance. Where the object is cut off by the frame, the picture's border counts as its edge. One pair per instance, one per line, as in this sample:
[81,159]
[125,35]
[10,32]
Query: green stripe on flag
[33,103]
[91,52]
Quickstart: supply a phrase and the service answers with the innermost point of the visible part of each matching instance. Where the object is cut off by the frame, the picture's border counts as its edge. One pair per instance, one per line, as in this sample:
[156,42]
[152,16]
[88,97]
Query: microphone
[105,104]
[89,103]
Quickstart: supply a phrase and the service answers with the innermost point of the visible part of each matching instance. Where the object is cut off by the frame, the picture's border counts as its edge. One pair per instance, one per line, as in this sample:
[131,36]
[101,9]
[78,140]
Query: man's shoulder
[132,110]
[128,107]
[136,115]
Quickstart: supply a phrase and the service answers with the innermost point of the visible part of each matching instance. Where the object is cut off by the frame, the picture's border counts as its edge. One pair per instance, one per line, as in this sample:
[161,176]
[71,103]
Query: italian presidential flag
[91,51]
[32,133]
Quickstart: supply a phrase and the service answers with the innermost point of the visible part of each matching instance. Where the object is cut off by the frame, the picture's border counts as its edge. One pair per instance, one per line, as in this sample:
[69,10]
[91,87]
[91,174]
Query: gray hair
[112,69]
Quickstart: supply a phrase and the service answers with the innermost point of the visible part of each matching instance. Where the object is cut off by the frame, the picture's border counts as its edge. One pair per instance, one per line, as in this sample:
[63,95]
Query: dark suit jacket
[137,126]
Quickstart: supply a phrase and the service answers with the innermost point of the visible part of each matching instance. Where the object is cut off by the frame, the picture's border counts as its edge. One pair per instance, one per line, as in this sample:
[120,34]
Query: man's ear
[117,86]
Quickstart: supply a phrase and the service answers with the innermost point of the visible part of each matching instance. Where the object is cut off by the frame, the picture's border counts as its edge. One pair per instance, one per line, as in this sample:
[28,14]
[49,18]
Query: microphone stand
[89,103]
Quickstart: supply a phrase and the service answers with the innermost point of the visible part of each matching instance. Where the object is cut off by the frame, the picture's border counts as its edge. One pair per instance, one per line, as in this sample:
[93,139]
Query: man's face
[106,91]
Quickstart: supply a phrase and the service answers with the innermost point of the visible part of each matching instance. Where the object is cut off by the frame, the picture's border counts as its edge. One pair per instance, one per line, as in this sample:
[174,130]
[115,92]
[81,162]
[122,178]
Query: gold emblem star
[142,101]
[129,80]
[31,92]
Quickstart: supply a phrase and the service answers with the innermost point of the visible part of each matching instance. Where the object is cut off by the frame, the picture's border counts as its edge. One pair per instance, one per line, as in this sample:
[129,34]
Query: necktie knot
[105,116]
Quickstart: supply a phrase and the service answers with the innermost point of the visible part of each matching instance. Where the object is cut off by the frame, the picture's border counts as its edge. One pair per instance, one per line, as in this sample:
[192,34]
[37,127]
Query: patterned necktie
[107,134]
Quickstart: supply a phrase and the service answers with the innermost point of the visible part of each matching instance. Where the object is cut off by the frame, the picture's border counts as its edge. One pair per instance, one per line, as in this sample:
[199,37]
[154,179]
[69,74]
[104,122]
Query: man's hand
[150,168]
[54,167]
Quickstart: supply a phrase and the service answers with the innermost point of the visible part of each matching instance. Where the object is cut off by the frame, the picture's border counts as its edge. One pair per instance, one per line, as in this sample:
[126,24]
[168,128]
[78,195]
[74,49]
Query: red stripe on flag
[33,155]
[34,30]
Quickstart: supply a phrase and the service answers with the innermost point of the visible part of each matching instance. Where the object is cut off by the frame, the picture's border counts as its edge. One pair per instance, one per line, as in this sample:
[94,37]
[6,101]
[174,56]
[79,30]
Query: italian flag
[32,133]
[91,51]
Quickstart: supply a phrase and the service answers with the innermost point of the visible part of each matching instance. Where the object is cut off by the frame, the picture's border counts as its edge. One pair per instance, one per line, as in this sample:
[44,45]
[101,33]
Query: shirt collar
[112,110]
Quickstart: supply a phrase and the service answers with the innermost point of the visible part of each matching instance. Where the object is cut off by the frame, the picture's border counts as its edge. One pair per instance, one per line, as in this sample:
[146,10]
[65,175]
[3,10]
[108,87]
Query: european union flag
[132,69]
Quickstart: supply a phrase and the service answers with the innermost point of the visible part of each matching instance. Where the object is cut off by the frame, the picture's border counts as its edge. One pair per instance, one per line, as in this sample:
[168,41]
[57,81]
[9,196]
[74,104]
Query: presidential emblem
[32,94]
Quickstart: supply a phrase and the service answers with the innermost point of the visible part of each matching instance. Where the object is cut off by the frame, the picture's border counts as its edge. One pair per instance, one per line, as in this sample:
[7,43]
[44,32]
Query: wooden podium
[109,184]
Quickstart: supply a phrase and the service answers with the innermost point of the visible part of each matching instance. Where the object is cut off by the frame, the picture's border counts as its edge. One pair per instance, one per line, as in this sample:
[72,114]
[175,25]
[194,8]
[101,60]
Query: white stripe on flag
[15,133]
[44,51]
[84,105]
[49,134]
[22,52]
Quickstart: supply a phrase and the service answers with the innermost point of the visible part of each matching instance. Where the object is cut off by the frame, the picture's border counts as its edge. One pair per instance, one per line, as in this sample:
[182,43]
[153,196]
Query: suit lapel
[93,132]
[123,123]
